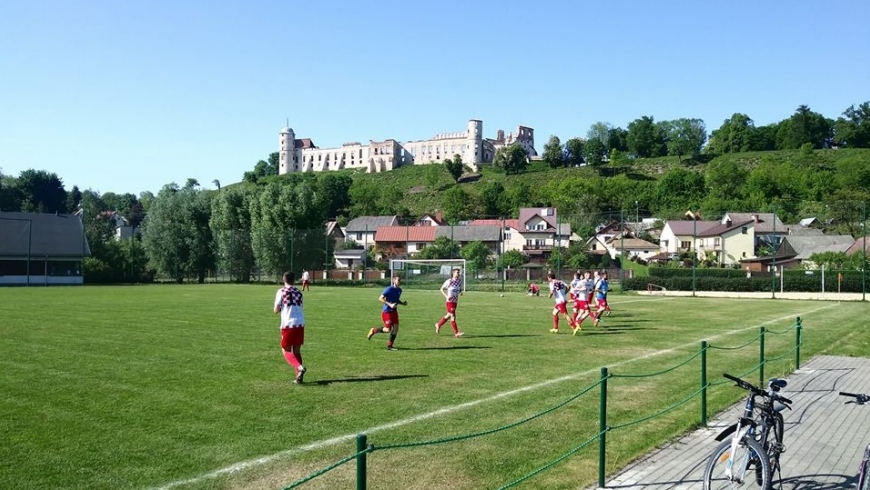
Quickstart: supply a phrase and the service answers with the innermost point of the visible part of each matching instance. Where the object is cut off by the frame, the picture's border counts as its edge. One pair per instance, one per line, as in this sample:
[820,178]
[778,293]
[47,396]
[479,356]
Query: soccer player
[593,282]
[557,291]
[533,290]
[601,289]
[451,290]
[288,303]
[306,281]
[581,304]
[391,298]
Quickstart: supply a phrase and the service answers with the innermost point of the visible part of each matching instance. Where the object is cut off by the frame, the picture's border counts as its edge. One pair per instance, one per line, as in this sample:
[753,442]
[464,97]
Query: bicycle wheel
[773,445]
[863,477]
[750,467]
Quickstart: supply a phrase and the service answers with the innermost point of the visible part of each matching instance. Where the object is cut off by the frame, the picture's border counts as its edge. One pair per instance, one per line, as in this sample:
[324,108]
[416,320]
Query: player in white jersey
[579,293]
[558,290]
[452,290]
[288,303]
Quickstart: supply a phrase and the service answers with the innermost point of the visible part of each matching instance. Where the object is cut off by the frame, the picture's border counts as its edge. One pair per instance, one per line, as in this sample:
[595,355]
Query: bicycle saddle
[777,384]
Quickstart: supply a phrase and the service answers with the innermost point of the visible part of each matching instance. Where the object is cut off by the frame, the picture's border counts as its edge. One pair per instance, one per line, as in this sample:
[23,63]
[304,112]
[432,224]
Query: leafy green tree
[476,254]
[617,139]
[433,175]
[512,259]
[574,152]
[679,189]
[593,152]
[41,192]
[804,126]
[734,135]
[365,198]
[511,158]
[231,227]
[725,178]
[686,137]
[494,200]
[645,139]
[853,130]
[454,167]
[73,199]
[10,198]
[763,138]
[599,131]
[455,202]
[553,155]
[830,260]
[333,196]
[442,248]
[263,169]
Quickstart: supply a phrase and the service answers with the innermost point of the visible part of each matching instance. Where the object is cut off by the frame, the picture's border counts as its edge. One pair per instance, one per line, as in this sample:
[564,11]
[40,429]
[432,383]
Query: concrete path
[824,437]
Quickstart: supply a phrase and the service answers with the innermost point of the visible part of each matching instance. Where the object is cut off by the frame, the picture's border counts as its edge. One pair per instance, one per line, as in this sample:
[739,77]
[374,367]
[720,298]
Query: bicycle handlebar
[758,391]
[860,398]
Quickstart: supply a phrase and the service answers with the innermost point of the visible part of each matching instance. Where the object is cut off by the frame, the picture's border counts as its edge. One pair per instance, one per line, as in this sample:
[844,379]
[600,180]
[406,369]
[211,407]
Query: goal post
[427,273]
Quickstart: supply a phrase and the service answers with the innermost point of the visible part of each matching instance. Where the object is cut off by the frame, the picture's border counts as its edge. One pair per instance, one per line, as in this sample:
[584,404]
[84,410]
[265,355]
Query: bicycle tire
[863,477]
[774,450]
[755,475]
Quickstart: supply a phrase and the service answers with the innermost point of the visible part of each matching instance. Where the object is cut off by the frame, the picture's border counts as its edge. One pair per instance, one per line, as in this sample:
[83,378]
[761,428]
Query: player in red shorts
[451,289]
[558,290]
[306,281]
[391,297]
[601,289]
[581,305]
[288,303]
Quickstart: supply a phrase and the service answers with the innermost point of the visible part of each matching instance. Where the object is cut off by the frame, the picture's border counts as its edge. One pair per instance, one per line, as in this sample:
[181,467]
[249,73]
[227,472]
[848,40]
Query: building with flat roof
[302,155]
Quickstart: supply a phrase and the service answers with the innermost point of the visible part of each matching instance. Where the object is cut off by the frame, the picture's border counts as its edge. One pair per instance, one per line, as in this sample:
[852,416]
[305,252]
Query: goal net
[426,274]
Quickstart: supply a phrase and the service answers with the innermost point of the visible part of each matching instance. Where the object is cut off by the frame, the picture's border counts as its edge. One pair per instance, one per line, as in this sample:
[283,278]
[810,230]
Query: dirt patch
[417,189]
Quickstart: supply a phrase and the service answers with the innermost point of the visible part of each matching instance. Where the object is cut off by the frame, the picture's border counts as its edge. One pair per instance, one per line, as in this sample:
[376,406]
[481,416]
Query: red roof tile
[405,233]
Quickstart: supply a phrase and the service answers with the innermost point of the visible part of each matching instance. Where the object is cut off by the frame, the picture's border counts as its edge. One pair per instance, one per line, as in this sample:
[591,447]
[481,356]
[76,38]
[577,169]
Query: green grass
[138,387]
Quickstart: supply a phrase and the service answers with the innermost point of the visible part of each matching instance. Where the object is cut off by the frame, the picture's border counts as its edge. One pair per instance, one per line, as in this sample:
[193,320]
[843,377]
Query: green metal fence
[364,447]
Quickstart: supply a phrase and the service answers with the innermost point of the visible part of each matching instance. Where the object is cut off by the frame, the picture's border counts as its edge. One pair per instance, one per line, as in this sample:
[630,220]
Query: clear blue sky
[130,95]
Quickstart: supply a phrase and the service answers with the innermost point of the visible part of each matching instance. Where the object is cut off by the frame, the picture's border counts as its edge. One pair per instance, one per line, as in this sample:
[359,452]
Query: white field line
[243,465]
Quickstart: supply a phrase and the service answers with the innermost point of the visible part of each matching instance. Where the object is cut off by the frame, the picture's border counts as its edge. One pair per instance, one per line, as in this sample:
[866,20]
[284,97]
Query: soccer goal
[426,273]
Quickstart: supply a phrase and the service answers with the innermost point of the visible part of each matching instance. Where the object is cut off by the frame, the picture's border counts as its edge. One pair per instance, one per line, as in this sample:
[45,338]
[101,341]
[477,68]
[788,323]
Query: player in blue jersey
[391,298]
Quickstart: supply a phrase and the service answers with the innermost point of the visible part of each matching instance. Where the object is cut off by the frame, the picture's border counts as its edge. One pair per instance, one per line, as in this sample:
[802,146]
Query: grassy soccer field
[174,386]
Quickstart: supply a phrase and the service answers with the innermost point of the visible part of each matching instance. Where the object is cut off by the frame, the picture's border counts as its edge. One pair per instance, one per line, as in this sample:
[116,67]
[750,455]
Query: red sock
[441,322]
[454,327]
[556,322]
[292,360]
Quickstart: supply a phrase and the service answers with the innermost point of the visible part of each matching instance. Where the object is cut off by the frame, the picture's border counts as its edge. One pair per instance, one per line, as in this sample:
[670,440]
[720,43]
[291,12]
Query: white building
[302,155]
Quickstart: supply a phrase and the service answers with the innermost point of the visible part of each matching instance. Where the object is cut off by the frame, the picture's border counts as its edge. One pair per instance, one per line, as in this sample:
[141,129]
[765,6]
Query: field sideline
[184,386]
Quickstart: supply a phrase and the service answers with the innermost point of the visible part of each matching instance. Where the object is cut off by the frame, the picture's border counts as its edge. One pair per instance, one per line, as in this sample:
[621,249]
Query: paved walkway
[824,437]
[818,296]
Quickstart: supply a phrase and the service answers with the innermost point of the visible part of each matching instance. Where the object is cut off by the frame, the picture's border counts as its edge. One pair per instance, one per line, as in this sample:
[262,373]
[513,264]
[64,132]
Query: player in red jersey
[452,290]
[581,304]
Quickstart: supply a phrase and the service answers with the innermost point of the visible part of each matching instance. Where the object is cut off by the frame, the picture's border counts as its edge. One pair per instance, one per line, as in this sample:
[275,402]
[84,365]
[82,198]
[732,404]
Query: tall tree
[645,138]
[617,139]
[686,137]
[574,152]
[804,126]
[853,130]
[553,152]
[454,167]
[734,135]
[73,199]
[41,192]
[599,131]
[476,254]
[455,203]
[511,158]
[593,152]
[494,200]
[334,193]
[231,227]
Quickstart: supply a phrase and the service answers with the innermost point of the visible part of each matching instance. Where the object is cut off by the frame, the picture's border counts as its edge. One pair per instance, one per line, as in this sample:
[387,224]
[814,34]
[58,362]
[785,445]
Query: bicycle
[863,477]
[755,442]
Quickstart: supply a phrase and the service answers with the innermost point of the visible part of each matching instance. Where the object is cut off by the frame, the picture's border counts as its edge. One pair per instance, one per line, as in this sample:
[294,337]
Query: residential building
[42,249]
[767,226]
[405,241]
[678,235]
[729,242]
[302,155]
[362,230]
[350,259]
[796,251]
[541,230]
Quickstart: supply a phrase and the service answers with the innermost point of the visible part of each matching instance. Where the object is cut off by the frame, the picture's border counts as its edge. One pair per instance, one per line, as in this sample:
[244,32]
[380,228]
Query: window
[507,235]
[686,245]
[529,242]
[745,230]
[359,235]
[716,242]
[420,246]
[665,244]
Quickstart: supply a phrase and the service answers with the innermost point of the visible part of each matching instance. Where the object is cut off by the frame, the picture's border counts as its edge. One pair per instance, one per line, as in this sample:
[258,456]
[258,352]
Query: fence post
[361,461]
[704,383]
[797,344]
[602,427]
[761,358]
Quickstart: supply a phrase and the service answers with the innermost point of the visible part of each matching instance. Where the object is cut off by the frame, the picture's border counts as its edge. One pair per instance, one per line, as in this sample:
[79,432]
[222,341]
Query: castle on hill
[302,155]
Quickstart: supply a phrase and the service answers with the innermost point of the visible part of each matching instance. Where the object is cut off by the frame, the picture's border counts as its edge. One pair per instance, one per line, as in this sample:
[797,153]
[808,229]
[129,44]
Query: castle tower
[286,151]
[474,143]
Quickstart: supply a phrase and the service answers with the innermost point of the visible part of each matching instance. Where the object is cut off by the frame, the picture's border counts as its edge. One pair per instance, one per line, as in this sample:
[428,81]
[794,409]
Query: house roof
[304,143]
[765,221]
[801,247]
[803,231]
[53,235]
[354,253]
[370,223]
[688,227]
[528,213]
[808,221]
[406,233]
[860,243]
[332,228]
[435,218]
[483,233]
[632,244]
[722,228]
[508,223]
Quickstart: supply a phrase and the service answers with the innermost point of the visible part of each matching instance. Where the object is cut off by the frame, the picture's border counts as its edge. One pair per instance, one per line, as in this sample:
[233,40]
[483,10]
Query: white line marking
[446,410]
